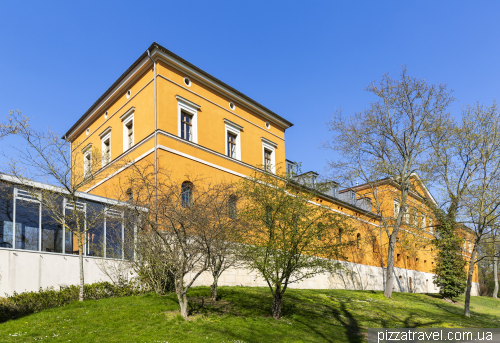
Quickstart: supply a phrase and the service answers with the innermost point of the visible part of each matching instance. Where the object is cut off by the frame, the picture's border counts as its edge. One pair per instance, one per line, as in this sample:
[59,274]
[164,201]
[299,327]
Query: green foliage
[242,315]
[288,236]
[29,302]
[451,276]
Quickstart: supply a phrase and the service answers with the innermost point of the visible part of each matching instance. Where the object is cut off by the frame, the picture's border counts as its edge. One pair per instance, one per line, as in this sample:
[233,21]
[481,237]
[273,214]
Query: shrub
[20,304]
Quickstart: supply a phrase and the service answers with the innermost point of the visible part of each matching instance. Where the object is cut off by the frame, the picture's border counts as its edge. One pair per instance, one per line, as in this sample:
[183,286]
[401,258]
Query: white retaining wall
[22,270]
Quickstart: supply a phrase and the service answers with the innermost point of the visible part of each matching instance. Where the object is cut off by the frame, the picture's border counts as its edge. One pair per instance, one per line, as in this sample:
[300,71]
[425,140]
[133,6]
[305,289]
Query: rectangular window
[6,216]
[231,145]
[130,134]
[186,126]
[87,164]
[106,151]
[114,234]
[128,129]
[52,233]
[267,159]
[27,220]
[396,209]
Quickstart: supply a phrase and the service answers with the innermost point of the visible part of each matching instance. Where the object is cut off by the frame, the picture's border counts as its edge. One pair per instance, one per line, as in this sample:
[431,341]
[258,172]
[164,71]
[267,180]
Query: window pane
[74,221]
[129,235]
[27,224]
[51,232]
[113,237]
[6,216]
[95,234]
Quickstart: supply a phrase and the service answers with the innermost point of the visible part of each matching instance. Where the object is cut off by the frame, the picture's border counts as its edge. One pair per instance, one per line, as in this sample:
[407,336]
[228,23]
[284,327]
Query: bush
[20,304]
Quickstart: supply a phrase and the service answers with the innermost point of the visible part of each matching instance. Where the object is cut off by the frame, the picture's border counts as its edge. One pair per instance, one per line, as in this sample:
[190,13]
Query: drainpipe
[156,130]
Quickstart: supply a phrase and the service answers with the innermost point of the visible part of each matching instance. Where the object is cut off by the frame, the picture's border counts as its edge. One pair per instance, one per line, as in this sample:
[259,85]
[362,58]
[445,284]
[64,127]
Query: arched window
[232,206]
[358,240]
[187,194]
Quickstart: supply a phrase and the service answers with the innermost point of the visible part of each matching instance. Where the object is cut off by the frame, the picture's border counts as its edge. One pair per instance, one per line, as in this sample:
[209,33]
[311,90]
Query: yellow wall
[207,158]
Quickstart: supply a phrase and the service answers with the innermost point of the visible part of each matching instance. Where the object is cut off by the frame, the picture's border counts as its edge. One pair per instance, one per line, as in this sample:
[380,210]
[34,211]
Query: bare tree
[186,221]
[45,157]
[389,142]
[466,167]
[220,230]
[287,236]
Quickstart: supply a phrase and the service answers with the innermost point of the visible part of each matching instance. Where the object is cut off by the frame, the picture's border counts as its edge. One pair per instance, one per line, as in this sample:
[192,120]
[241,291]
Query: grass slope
[243,316]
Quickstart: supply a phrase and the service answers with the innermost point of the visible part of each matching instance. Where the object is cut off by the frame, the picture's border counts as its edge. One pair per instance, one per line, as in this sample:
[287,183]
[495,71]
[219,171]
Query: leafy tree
[389,141]
[450,265]
[287,237]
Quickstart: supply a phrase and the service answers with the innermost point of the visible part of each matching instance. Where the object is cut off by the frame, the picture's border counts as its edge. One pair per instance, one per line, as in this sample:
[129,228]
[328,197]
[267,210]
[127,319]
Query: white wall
[22,270]
[354,276]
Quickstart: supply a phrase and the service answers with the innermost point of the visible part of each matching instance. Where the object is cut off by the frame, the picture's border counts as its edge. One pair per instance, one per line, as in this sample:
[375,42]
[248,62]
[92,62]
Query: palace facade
[168,113]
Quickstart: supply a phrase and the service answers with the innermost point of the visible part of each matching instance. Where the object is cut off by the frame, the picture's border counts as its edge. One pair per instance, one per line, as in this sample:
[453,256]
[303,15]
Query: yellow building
[166,111]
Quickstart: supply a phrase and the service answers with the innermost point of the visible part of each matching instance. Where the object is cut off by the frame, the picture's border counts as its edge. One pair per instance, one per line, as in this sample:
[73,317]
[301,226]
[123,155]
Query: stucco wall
[23,271]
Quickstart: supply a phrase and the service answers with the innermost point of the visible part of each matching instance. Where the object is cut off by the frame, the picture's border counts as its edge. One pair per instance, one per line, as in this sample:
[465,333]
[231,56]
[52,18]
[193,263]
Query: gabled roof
[389,180]
[157,47]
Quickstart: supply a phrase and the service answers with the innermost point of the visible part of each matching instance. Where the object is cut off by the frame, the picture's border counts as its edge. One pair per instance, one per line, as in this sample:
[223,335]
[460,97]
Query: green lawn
[243,315]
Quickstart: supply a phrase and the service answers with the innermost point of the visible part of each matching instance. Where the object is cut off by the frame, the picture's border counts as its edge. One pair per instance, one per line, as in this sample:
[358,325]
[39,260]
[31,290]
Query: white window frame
[106,135]
[87,152]
[396,208]
[271,146]
[190,108]
[424,223]
[20,194]
[109,212]
[80,206]
[126,119]
[234,129]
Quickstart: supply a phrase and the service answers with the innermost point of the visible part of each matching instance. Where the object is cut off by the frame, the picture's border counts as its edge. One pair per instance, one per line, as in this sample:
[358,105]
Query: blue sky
[300,59]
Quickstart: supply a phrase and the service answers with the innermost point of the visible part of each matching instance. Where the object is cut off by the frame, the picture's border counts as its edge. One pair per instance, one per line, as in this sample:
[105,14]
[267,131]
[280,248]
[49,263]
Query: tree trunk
[278,297]
[213,288]
[468,290]
[495,276]
[183,303]
[81,296]
[390,268]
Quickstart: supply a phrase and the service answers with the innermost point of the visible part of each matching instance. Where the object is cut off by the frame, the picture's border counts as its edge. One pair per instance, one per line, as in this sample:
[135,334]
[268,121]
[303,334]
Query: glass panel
[27,224]
[74,220]
[113,237]
[52,232]
[95,235]
[6,216]
[129,235]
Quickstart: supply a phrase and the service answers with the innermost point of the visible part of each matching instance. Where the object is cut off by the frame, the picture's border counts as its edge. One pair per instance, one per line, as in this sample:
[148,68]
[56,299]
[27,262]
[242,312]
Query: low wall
[22,271]
[354,276]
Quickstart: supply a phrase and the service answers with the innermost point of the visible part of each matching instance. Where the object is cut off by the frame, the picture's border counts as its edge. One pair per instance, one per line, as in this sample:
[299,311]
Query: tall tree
[186,221]
[287,238]
[450,275]
[466,167]
[45,157]
[389,140]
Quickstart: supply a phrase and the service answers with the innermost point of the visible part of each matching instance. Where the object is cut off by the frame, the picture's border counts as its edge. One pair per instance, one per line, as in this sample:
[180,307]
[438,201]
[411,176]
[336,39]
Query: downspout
[156,130]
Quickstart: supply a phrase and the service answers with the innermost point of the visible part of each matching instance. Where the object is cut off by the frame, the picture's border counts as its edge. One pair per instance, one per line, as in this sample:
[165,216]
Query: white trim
[120,170]
[268,142]
[107,137]
[221,107]
[187,102]
[220,88]
[200,160]
[234,125]
[127,113]
[235,130]
[271,147]
[190,108]
[127,118]
[105,132]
